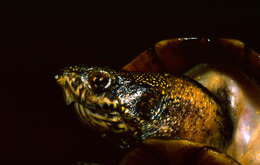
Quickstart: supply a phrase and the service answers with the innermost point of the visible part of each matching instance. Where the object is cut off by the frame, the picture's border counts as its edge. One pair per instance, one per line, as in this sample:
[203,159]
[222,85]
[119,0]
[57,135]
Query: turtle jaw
[98,118]
[102,114]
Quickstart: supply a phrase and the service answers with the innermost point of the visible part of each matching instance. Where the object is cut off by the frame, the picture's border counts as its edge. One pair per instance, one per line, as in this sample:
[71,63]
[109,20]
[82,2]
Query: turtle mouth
[102,116]
[97,113]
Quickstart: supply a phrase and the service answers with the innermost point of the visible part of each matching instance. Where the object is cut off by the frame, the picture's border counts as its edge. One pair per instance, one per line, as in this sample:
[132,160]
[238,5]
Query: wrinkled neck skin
[141,107]
[241,97]
[176,108]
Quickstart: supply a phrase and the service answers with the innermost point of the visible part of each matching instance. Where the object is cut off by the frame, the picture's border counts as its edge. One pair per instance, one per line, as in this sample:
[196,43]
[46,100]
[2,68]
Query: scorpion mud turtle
[186,100]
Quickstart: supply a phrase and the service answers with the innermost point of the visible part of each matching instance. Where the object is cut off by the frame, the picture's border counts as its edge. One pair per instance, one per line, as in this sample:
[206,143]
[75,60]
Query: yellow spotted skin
[155,79]
[136,106]
[195,114]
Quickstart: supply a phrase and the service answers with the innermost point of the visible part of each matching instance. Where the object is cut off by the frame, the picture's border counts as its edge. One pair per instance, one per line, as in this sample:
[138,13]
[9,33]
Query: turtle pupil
[99,82]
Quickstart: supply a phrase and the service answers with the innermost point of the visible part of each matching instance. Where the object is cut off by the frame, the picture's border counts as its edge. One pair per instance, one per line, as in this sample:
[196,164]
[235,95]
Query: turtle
[179,94]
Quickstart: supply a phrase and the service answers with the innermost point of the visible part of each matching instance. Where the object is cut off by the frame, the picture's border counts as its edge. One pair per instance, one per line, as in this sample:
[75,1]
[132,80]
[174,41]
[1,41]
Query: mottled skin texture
[135,106]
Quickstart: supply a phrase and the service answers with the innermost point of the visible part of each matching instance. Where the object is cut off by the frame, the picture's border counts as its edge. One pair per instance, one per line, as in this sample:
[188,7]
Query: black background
[35,43]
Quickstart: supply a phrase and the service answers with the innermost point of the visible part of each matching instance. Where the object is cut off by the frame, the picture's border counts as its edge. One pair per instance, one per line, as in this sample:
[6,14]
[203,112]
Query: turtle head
[112,101]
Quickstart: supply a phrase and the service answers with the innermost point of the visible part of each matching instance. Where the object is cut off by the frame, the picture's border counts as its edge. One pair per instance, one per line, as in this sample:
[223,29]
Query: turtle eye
[100,81]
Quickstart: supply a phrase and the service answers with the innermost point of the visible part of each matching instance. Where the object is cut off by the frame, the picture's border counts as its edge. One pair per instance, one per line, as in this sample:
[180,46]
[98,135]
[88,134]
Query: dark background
[35,43]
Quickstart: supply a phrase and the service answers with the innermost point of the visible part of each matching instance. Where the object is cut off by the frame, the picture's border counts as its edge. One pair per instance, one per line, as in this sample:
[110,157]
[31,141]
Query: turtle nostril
[60,80]
[56,77]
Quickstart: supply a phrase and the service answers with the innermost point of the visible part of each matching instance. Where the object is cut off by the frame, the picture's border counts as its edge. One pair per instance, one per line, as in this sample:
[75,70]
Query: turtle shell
[231,71]
[177,152]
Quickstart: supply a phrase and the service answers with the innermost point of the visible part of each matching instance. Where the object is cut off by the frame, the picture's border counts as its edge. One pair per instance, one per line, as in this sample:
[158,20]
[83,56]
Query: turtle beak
[60,80]
[68,96]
